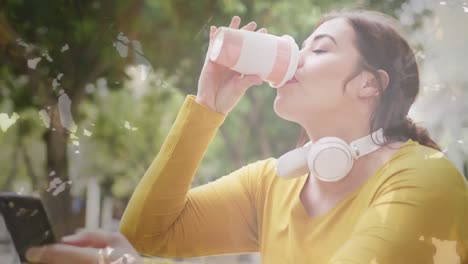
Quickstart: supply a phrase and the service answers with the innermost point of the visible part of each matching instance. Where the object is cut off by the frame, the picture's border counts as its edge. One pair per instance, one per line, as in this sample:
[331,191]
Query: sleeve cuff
[203,114]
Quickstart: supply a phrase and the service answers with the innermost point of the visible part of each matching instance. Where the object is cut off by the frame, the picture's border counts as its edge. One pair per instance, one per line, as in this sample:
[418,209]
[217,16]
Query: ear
[370,85]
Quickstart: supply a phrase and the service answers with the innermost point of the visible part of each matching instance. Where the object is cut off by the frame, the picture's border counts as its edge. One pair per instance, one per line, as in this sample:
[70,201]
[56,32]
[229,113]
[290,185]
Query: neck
[348,133]
[346,125]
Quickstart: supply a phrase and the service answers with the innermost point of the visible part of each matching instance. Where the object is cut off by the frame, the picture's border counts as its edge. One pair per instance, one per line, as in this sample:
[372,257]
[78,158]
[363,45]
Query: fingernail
[33,254]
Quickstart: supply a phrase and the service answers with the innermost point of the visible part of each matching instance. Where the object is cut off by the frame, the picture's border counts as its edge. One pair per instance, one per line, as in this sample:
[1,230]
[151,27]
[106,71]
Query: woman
[402,203]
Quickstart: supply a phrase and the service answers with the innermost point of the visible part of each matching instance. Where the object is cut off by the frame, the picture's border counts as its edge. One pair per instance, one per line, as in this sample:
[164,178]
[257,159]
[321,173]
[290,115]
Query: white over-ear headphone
[329,159]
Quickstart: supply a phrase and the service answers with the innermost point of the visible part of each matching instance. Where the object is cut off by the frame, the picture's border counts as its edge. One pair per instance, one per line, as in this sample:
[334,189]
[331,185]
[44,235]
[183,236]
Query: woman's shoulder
[419,165]
[263,172]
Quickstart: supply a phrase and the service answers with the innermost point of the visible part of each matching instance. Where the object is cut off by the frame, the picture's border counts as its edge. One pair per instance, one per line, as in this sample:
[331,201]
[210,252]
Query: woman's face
[326,59]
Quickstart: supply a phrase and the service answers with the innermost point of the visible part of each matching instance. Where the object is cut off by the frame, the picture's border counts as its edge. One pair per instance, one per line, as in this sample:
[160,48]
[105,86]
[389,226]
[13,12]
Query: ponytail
[408,129]
[419,134]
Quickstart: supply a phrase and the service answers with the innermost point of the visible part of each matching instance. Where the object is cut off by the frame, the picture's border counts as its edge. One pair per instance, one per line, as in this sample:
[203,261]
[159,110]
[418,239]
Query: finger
[212,31]
[235,22]
[250,26]
[60,253]
[253,79]
[262,30]
[248,80]
[93,238]
[243,83]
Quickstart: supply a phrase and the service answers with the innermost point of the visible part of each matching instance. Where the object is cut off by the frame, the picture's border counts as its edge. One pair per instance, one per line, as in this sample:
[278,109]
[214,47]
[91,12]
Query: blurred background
[89,90]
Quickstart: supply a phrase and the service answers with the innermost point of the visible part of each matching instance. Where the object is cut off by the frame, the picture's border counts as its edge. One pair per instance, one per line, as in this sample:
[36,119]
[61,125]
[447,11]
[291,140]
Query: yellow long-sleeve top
[414,209]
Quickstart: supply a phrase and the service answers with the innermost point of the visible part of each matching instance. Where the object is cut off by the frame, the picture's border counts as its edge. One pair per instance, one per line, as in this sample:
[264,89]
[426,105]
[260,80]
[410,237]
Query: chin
[281,109]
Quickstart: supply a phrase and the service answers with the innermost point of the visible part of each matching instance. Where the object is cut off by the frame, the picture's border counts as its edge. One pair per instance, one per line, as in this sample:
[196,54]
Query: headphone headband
[330,158]
[365,145]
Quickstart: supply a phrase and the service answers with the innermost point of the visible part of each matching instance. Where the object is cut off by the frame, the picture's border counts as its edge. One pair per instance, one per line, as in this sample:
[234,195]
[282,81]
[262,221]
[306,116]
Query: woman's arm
[419,215]
[165,219]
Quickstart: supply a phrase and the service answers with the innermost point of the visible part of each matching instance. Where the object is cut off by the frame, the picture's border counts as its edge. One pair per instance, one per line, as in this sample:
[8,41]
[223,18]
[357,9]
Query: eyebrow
[322,36]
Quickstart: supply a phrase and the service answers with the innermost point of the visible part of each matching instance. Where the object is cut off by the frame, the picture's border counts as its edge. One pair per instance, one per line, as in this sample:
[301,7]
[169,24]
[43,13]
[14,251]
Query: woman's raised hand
[219,87]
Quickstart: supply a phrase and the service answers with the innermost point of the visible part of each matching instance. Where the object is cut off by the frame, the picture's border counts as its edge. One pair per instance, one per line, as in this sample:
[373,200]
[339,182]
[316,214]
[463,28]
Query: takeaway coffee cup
[272,58]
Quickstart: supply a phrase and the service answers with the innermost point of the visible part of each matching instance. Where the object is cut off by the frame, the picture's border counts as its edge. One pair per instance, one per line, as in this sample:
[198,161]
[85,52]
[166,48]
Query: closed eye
[319,51]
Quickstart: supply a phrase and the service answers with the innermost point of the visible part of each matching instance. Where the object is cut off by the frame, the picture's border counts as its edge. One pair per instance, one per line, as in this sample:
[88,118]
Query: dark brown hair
[382,46]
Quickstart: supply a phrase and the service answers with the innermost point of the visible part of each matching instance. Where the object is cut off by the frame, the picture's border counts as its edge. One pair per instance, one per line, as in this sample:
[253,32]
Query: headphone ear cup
[330,159]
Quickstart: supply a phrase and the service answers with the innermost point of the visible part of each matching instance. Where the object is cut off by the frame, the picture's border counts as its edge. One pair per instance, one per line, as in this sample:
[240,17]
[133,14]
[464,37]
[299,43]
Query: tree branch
[29,167]
[14,169]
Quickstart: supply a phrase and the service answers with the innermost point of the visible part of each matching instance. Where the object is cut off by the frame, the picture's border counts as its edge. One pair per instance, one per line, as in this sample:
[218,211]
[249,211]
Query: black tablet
[26,220]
